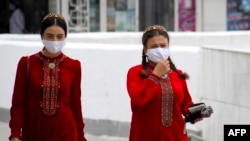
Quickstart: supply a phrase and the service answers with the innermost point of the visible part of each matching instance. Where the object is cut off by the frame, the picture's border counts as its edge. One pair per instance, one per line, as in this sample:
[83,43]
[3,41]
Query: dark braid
[144,73]
[183,75]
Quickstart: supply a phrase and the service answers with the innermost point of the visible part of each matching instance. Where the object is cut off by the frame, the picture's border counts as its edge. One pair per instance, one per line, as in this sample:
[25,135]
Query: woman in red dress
[158,92]
[46,102]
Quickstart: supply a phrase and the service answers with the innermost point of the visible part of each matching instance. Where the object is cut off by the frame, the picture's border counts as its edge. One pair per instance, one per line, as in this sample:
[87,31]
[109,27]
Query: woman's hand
[198,119]
[14,139]
[162,68]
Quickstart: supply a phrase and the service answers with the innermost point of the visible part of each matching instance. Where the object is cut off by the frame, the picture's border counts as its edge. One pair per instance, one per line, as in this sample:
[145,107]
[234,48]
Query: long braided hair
[150,32]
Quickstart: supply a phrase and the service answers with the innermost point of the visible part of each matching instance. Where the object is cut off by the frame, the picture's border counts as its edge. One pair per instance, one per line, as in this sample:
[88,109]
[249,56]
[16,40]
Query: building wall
[214,15]
[210,14]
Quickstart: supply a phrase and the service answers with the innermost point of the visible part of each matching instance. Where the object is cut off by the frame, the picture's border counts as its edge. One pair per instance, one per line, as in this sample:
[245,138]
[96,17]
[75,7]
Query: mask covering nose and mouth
[157,54]
[53,46]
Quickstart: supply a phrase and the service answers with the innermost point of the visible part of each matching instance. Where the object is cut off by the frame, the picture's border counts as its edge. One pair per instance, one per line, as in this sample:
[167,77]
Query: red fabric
[146,99]
[27,120]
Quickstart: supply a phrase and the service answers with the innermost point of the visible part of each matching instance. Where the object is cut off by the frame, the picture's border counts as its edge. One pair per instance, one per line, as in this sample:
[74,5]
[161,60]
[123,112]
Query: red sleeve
[187,99]
[76,101]
[141,91]
[18,100]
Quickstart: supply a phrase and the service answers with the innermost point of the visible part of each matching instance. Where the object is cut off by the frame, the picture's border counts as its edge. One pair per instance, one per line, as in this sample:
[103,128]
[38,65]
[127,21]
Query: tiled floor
[4,133]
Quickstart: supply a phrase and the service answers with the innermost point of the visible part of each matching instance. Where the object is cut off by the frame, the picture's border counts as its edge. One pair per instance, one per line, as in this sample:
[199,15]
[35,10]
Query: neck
[50,55]
[151,63]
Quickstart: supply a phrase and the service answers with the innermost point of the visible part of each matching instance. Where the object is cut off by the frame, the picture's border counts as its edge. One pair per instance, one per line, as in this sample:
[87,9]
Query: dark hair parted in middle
[53,19]
[152,31]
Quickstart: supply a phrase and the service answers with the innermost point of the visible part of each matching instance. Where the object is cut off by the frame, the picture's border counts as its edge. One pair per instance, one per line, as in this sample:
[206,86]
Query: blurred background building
[135,15]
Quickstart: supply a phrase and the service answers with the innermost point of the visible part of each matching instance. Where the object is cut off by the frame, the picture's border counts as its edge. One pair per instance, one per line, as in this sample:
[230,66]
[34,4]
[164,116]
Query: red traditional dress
[158,105]
[46,102]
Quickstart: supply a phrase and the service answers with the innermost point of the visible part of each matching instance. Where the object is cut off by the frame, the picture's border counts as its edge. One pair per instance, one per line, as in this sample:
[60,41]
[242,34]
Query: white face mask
[157,54]
[53,46]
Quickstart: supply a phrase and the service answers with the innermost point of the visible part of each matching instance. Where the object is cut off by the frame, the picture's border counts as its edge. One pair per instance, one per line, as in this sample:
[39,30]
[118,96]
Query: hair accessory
[53,15]
[153,27]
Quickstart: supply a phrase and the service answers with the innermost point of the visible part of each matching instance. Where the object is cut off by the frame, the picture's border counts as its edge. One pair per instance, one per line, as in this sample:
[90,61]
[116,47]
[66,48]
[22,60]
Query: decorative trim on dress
[167,102]
[167,97]
[50,84]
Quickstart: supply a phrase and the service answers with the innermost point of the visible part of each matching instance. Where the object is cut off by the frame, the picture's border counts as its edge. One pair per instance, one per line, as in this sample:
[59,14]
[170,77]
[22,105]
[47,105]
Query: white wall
[104,72]
[213,15]
[218,64]
[226,86]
